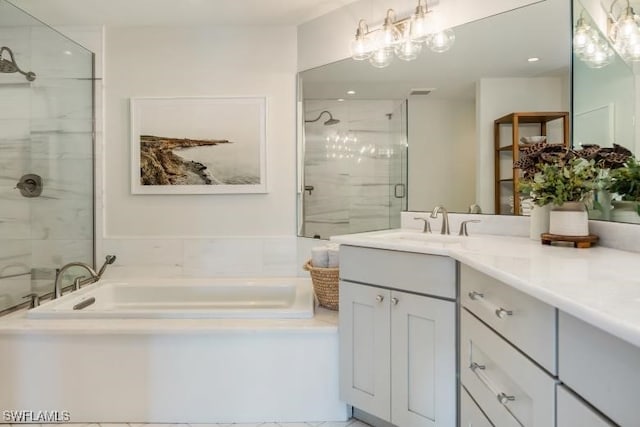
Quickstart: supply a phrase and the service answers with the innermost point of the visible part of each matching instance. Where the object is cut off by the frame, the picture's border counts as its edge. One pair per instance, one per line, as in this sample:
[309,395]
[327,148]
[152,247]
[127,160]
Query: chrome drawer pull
[394,301]
[475,295]
[379,298]
[502,313]
[504,399]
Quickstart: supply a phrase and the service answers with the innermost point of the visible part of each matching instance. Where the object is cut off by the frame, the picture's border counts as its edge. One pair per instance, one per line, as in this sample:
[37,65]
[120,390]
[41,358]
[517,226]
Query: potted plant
[625,183]
[563,180]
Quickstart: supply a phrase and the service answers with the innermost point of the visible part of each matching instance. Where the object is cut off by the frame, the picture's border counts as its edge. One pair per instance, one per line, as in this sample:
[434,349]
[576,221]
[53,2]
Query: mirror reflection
[421,133]
[604,103]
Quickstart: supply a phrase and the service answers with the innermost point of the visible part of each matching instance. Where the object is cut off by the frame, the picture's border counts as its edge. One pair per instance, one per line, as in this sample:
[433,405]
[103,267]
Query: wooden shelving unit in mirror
[508,145]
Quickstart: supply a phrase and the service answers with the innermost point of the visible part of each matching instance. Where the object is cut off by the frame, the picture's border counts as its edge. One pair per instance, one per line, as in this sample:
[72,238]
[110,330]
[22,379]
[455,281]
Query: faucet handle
[35,299]
[427,226]
[463,226]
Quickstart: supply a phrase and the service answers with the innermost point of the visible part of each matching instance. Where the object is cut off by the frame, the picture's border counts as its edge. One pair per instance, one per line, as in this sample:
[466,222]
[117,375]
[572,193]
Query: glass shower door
[46,156]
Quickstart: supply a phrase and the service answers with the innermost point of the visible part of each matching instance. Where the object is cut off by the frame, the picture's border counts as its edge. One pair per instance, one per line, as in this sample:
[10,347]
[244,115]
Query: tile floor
[350,423]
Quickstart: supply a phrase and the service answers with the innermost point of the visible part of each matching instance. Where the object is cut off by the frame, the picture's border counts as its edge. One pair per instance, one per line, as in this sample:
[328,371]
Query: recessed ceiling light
[533,59]
[340,99]
[351,92]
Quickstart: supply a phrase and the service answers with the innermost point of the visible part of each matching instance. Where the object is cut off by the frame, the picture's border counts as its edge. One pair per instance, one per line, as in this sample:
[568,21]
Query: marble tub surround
[202,257]
[599,285]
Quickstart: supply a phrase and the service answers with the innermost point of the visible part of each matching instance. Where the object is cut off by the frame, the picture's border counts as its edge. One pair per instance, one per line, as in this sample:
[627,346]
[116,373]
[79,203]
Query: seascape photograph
[198,145]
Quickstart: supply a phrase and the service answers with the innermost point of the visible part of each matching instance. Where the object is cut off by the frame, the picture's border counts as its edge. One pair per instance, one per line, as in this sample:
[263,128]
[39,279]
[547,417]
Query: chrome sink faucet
[445,218]
[57,286]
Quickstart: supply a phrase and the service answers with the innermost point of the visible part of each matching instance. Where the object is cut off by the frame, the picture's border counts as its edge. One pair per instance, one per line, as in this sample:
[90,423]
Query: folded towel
[320,257]
[334,257]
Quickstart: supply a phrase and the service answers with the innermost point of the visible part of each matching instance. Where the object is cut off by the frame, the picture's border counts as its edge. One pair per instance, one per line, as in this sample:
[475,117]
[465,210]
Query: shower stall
[354,167]
[46,155]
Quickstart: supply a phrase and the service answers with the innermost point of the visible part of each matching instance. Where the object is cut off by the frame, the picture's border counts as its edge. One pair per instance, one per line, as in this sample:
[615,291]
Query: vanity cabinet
[508,185]
[398,336]
[504,339]
[604,370]
[574,412]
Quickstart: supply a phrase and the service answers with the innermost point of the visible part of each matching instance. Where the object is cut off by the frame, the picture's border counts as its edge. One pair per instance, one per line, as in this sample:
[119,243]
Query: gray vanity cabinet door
[423,368]
[364,348]
[572,412]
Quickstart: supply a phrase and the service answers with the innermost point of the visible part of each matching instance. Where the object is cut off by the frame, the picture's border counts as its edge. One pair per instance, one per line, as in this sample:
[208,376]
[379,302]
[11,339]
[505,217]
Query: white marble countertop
[599,285]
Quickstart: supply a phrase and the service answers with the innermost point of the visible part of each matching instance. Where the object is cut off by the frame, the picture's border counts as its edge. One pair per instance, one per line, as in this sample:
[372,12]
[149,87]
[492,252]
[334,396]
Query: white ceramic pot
[539,221]
[625,211]
[570,219]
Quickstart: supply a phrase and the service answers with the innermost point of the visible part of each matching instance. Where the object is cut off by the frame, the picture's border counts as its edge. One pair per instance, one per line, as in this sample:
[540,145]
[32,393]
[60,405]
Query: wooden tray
[578,241]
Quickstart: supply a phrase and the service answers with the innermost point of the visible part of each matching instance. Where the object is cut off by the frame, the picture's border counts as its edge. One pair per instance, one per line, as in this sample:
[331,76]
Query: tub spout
[93,276]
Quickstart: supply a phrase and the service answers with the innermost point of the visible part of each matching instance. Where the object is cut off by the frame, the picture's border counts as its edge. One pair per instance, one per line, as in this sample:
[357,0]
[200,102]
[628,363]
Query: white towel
[334,256]
[320,257]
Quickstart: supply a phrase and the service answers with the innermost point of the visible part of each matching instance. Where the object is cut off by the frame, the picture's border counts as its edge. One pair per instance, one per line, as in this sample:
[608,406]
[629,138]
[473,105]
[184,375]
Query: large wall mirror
[418,134]
[605,97]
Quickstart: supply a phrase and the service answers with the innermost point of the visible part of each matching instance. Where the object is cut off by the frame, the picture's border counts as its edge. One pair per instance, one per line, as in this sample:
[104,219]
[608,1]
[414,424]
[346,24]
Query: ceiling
[177,12]
[498,46]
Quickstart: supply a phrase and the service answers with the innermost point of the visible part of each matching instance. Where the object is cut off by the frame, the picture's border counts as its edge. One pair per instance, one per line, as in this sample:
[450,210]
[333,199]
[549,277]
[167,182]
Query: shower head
[330,121]
[10,66]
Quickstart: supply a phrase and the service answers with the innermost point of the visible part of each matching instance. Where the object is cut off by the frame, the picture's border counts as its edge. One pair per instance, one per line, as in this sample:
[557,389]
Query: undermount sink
[421,237]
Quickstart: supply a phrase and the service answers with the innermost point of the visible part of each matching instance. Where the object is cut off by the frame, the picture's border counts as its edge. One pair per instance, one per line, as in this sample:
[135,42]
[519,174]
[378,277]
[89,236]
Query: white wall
[443,131]
[326,38]
[496,98]
[182,234]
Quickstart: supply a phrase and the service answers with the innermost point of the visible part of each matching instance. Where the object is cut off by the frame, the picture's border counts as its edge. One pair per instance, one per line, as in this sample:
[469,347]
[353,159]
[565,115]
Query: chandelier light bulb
[361,46]
[381,58]
[581,35]
[442,41]
[408,48]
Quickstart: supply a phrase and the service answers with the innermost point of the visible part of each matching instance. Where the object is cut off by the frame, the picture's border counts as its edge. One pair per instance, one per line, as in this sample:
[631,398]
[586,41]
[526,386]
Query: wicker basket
[325,284]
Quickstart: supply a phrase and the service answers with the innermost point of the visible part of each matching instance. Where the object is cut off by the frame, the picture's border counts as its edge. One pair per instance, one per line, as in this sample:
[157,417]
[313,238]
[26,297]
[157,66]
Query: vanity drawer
[601,368]
[509,388]
[526,322]
[408,271]
[470,413]
[573,412]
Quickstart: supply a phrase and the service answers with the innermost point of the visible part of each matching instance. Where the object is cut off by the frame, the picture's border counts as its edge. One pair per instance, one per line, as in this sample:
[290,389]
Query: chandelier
[404,38]
[589,46]
[624,32]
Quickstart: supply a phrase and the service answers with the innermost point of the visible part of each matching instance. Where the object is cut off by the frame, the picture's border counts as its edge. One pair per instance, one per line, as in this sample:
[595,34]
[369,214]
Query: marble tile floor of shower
[349,423]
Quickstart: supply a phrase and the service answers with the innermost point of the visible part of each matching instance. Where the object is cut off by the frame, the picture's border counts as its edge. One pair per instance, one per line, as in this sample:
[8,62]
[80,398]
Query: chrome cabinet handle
[502,397]
[395,301]
[379,298]
[502,313]
[475,295]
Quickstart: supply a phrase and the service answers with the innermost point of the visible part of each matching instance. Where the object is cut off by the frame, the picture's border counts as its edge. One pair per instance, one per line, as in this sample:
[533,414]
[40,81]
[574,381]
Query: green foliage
[625,181]
[557,183]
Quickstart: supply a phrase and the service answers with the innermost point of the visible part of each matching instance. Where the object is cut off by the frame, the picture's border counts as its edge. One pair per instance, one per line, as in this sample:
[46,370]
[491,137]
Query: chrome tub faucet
[94,277]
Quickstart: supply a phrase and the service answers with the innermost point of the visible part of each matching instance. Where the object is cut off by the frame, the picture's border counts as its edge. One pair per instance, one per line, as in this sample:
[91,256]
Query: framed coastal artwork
[190,145]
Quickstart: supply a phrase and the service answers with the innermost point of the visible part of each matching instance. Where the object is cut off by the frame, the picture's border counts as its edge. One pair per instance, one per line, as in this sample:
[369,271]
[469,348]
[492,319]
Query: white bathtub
[272,298]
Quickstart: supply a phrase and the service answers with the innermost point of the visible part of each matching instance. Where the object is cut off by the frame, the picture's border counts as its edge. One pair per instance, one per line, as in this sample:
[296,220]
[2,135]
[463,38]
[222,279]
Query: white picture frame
[198,145]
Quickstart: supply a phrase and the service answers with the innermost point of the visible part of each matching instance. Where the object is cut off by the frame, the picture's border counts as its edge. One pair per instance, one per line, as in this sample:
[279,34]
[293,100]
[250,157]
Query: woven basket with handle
[325,284]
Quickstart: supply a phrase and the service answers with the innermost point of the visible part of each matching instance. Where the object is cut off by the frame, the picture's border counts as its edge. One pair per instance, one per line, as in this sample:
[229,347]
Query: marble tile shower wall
[232,256]
[45,128]
[350,166]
